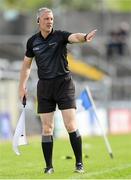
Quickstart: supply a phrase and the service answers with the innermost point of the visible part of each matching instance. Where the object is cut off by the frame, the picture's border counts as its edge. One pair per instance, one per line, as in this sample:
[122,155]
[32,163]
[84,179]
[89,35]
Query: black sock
[47,147]
[76,144]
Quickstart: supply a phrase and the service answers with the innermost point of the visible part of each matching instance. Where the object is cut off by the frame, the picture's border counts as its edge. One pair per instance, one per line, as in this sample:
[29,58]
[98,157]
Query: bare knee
[70,127]
[69,120]
[47,129]
[47,123]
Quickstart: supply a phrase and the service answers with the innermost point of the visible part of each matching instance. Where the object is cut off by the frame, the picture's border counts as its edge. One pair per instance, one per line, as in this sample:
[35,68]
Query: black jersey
[50,53]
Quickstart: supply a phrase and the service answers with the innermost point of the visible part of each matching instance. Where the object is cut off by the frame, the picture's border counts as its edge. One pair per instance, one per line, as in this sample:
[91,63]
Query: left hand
[91,35]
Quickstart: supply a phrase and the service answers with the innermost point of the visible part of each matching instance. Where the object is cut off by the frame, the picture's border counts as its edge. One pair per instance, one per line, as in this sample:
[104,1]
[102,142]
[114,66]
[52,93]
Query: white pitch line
[126,166]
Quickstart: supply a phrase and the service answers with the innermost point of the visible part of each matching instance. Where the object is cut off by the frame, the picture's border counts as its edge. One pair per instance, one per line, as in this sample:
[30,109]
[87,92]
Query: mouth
[49,26]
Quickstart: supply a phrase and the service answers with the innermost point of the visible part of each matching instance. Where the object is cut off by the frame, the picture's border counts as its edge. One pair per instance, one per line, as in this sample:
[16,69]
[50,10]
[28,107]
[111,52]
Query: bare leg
[47,123]
[69,117]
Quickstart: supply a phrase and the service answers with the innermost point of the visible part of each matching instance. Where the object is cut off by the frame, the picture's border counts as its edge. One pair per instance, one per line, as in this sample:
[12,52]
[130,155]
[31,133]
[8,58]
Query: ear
[38,20]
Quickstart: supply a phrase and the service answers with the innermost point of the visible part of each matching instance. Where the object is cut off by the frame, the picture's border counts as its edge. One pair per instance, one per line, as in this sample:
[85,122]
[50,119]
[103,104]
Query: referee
[55,84]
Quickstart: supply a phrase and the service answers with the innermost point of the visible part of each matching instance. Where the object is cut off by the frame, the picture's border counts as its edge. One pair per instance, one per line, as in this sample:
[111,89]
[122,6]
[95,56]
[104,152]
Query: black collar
[47,36]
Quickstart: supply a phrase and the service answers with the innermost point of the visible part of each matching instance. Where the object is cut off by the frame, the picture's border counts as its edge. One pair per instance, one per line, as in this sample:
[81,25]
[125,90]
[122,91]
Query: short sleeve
[65,36]
[29,48]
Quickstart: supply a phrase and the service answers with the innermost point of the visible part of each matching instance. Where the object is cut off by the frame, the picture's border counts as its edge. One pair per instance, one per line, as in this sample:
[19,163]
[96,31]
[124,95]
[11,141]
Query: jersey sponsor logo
[52,44]
[36,48]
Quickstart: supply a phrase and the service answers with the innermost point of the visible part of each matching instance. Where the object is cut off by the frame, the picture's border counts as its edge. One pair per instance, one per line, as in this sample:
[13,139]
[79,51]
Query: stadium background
[109,78]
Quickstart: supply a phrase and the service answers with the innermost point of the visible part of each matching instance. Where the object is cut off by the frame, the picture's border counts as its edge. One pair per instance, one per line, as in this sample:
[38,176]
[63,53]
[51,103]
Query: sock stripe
[46,139]
[76,133]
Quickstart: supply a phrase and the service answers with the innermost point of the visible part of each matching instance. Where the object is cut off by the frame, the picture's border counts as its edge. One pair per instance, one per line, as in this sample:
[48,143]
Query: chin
[49,30]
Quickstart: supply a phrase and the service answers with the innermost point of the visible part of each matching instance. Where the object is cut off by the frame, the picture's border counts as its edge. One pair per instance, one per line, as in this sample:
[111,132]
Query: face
[46,22]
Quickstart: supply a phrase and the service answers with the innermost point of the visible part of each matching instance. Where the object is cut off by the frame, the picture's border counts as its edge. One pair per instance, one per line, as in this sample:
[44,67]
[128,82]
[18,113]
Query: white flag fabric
[19,137]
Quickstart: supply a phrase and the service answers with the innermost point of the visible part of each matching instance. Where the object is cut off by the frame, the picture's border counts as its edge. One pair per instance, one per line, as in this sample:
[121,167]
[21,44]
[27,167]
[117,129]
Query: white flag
[19,137]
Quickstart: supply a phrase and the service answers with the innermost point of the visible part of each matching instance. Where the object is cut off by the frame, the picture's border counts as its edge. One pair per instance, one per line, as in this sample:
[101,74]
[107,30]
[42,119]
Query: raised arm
[24,76]
[81,37]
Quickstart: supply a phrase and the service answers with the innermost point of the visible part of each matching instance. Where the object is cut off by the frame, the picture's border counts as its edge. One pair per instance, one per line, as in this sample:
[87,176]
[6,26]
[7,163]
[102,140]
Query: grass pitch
[97,163]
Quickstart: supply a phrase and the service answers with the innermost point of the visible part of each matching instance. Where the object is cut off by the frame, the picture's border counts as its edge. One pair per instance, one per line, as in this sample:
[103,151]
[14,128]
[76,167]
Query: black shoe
[49,170]
[79,168]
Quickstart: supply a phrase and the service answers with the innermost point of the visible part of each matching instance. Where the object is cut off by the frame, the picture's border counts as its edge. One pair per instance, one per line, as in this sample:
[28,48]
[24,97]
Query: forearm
[82,37]
[77,38]
[24,76]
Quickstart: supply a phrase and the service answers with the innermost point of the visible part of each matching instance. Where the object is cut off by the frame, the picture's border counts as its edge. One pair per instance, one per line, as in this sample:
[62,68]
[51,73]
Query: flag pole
[97,118]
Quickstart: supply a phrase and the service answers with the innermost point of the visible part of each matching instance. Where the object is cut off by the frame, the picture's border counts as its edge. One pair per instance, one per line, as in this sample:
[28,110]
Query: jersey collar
[47,36]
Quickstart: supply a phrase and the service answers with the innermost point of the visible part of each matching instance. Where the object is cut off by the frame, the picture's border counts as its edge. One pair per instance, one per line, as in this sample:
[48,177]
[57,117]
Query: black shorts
[60,91]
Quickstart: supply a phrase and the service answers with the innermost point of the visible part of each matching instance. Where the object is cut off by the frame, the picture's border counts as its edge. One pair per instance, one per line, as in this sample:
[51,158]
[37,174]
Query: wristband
[85,37]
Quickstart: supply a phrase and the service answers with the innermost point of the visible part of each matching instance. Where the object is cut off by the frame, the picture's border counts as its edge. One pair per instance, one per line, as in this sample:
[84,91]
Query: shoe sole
[79,171]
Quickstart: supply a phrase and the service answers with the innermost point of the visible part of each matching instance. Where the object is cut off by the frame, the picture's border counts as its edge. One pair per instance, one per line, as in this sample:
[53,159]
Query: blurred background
[104,65]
